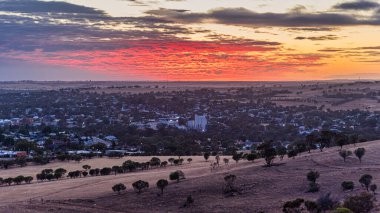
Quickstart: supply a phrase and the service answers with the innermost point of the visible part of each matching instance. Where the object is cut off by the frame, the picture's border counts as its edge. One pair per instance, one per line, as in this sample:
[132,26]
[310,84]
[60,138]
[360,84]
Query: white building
[199,123]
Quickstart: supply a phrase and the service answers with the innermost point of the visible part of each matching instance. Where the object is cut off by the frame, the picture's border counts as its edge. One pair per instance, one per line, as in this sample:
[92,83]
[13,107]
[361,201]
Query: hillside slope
[263,189]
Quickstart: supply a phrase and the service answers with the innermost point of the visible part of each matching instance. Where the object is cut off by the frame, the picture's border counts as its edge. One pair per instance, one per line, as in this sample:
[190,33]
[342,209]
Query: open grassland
[263,189]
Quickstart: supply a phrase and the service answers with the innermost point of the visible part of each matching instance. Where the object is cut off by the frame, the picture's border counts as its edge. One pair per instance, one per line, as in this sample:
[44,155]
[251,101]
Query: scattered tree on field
[359,152]
[140,185]
[344,154]
[118,187]
[162,184]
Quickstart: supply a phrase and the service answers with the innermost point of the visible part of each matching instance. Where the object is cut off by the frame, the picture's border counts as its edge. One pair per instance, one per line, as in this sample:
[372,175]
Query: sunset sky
[189,40]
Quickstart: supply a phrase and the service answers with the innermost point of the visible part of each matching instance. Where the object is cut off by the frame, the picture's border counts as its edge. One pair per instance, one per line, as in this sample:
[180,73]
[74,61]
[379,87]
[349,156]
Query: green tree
[359,152]
[268,152]
[206,156]
[118,187]
[140,185]
[366,180]
[162,184]
[344,154]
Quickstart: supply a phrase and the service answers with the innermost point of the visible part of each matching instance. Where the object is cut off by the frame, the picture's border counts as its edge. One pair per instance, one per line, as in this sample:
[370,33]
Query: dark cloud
[245,17]
[357,5]
[33,6]
[41,27]
[318,38]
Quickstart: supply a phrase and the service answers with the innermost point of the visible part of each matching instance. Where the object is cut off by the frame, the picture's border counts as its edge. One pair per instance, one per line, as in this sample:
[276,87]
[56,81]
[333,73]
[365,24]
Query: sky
[189,40]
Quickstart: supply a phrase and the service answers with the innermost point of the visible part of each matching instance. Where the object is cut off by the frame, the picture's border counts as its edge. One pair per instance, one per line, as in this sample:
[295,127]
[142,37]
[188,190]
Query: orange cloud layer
[182,60]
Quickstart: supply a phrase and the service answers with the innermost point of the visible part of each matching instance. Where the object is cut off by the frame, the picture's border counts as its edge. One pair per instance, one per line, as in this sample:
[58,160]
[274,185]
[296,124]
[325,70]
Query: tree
[366,180]
[206,155]
[105,171]
[292,153]
[140,185]
[362,203]
[341,140]
[344,154]
[251,157]
[312,176]
[116,169]
[229,187]
[217,158]
[118,187]
[359,152]
[86,167]
[60,172]
[171,160]
[237,156]
[99,147]
[155,161]
[177,175]
[28,179]
[281,151]
[24,145]
[189,160]
[8,181]
[268,152]
[21,161]
[18,180]
[226,160]
[162,184]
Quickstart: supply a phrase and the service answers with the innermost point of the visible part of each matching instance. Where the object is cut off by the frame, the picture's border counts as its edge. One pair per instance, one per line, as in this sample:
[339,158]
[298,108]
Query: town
[189,122]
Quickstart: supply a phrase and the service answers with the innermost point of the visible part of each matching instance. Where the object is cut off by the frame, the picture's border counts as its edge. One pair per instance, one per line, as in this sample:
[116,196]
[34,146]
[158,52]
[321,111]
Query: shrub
[162,184]
[366,180]
[140,185]
[359,152]
[313,187]
[342,210]
[292,206]
[189,201]
[311,206]
[373,188]
[325,202]
[118,187]
[347,185]
[230,187]
[362,203]
[312,176]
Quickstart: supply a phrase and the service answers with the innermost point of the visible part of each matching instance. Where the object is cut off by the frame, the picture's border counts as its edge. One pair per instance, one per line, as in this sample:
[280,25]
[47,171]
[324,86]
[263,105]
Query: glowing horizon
[189,40]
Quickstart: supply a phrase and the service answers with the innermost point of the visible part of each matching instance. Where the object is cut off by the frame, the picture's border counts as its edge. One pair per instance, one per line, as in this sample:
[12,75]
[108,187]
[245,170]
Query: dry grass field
[263,189]
[301,93]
